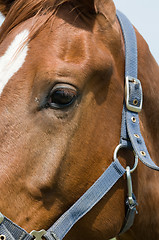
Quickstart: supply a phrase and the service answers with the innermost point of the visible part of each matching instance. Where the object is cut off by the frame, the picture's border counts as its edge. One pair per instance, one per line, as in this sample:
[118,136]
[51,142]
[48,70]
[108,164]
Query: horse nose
[41,187]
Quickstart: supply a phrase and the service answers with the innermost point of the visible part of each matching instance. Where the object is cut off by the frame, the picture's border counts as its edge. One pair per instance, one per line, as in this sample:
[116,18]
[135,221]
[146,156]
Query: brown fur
[48,157]
[5,5]
[23,10]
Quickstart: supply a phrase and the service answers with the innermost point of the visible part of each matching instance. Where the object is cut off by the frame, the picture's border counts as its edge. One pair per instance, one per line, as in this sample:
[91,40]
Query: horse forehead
[70,48]
[13,58]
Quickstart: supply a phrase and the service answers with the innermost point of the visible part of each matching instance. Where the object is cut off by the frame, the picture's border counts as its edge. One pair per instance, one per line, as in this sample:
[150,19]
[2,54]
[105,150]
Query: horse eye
[62,96]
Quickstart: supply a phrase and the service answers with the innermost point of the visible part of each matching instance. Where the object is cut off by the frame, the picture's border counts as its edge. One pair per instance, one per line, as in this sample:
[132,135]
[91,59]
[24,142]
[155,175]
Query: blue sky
[144,14]
[1,18]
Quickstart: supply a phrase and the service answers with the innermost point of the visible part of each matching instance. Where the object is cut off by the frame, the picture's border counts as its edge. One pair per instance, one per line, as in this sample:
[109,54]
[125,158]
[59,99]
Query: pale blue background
[144,14]
[1,18]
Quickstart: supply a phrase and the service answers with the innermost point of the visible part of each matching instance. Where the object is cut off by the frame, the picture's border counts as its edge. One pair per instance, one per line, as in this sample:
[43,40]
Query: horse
[61,98]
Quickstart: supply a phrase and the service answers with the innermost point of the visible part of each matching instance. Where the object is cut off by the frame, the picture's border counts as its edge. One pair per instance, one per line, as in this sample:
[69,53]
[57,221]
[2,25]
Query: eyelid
[62,86]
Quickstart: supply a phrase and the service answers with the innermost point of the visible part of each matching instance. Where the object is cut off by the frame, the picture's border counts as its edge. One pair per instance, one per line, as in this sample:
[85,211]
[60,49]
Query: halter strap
[130,137]
[130,129]
[10,231]
[91,197]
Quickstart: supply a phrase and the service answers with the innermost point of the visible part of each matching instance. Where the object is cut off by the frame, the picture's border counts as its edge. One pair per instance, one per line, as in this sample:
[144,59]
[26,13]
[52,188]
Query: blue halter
[130,138]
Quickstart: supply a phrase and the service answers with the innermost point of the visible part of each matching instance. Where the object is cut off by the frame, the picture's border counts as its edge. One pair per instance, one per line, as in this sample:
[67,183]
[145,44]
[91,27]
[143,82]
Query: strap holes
[135,102]
[133,119]
[136,135]
[2,237]
[143,153]
[133,80]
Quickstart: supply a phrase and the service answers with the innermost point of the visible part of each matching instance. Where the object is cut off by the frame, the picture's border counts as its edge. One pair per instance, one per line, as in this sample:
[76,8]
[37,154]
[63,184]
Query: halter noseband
[130,138]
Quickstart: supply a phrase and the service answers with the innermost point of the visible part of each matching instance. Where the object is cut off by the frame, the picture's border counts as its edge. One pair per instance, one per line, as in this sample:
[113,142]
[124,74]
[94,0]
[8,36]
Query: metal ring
[136,157]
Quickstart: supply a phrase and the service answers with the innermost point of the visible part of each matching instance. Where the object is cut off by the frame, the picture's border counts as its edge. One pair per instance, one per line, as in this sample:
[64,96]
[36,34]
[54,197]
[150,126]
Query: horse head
[61,98]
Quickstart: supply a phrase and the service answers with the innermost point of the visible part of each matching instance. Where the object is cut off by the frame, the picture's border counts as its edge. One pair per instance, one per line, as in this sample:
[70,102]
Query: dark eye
[62,96]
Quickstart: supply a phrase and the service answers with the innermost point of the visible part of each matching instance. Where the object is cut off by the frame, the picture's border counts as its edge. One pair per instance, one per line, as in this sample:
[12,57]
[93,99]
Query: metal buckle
[133,94]
[38,234]
[1,217]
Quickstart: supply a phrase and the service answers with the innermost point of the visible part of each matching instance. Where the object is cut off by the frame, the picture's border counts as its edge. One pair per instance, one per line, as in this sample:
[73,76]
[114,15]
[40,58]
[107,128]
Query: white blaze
[13,58]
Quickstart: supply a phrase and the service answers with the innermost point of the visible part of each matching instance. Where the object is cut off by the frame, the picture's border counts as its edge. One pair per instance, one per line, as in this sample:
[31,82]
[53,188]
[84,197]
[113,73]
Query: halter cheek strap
[130,129]
[130,137]
[10,231]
